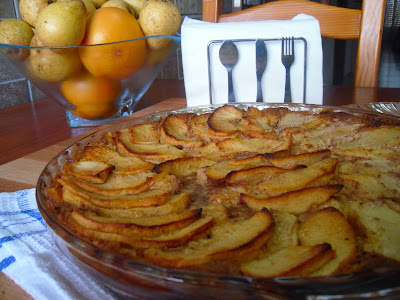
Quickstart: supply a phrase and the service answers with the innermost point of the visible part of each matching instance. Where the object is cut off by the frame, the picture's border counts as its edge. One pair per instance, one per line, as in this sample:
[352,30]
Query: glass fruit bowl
[94,83]
[135,279]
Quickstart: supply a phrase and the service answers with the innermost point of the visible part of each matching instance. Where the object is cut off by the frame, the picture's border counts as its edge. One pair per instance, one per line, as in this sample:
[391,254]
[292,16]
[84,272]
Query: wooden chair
[336,22]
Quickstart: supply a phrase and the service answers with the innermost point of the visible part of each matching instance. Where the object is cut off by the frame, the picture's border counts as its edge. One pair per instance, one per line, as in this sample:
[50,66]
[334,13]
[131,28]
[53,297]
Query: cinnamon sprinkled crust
[262,193]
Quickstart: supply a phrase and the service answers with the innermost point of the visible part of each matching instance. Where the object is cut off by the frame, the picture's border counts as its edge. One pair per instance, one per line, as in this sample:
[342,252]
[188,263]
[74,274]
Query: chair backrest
[364,24]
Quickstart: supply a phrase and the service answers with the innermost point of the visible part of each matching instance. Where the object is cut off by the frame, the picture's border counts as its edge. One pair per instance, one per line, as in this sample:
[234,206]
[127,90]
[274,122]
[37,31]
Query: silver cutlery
[261,63]
[229,56]
[287,57]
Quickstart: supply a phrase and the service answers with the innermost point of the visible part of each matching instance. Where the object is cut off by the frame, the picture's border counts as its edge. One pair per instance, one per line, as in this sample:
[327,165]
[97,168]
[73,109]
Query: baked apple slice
[122,164]
[116,184]
[183,167]
[154,153]
[306,159]
[295,202]
[138,227]
[175,238]
[175,204]
[224,120]
[290,261]
[176,131]
[329,225]
[89,170]
[145,199]
[226,241]
[298,178]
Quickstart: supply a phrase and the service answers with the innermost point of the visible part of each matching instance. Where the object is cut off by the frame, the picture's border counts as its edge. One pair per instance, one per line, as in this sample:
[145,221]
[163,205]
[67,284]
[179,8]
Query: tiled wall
[15,89]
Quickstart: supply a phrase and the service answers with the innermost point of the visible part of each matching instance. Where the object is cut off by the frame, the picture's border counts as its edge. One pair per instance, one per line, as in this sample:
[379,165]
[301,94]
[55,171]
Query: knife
[261,63]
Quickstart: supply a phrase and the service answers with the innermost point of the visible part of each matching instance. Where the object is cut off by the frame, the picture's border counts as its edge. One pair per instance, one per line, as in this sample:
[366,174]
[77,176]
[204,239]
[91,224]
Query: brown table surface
[31,134]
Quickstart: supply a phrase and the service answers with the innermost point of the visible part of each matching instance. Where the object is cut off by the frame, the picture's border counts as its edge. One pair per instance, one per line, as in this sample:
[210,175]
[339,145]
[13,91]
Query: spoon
[261,63]
[229,55]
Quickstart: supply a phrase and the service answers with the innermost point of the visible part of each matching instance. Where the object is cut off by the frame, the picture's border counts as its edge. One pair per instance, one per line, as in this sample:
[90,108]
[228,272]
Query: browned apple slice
[145,133]
[254,175]
[244,145]
[175,238]
[175,204]
[298,178]
[295,202]
[226,241]
[329,225]
[306,159]
[145,199]
[123,164]
[290,261]
[267,118]
[117,184]
[218,172]
[199,128]
[90,170]
[175,131]
[154,153]
[183,167]
[224,120]
[138,227]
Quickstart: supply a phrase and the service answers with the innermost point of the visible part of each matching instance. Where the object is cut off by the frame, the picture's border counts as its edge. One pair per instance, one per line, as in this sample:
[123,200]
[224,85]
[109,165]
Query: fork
[287,58]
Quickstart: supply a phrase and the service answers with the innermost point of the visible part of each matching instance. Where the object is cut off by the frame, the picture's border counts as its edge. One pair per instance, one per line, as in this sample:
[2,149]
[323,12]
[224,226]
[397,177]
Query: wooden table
[31,134]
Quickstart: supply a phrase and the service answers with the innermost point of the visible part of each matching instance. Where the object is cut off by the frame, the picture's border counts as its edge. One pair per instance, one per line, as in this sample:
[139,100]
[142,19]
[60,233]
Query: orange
[93,96]
[119,60]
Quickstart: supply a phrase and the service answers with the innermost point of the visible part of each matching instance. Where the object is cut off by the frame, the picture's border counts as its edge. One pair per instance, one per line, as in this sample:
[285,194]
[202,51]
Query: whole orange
[93,96]
[117,60]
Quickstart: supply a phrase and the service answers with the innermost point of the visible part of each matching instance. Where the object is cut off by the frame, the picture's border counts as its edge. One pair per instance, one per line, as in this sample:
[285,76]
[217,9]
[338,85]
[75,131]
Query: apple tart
[261,192]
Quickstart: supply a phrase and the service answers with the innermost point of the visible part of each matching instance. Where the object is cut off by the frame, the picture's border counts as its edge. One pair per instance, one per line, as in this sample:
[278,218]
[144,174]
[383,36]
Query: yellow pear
[159,17]
[98,3]
[16,32]
[135,6]
[29,9]
[51,66]
[117,3]
[62,23]
[89,6]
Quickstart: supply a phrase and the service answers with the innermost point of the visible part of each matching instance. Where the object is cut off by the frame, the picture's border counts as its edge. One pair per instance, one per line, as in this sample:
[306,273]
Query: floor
[389,70]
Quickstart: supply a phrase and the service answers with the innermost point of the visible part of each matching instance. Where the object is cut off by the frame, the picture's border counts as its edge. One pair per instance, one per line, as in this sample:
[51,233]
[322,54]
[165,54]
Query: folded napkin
[196,36]
[30,258]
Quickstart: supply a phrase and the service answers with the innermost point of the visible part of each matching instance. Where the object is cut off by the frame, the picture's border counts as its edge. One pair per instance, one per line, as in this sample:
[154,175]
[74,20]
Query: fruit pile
[89,76]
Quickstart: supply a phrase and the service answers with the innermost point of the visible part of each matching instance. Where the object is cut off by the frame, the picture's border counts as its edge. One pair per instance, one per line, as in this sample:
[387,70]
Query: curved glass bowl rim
[175,38]
[154,271]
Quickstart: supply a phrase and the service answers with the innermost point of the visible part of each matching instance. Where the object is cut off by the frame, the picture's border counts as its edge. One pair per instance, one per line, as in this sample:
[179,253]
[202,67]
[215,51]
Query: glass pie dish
[133,279]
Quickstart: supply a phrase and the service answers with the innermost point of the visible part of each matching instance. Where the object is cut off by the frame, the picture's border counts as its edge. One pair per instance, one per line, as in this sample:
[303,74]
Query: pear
[51,66]
[29,9]
[16,32]
[117,3]
[89,6]
[62,23]
[159,17]
[135,6]
[98,3]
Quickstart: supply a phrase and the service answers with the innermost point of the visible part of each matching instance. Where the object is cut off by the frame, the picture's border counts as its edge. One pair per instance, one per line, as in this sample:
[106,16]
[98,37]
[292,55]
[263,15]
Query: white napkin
[30,258]
[197,34]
